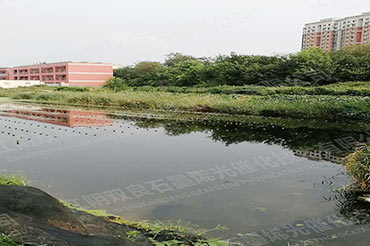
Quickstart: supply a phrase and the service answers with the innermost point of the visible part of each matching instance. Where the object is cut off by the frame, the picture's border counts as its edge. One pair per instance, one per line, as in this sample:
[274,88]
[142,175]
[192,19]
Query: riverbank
[31,217]
[358,165]
[335,102]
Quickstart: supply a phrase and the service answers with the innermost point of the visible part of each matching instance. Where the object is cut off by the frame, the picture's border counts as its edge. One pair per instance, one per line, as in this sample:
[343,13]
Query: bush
[358,164]
[7,241]
[73,88]
[306,68]
[25,96]
[116,84]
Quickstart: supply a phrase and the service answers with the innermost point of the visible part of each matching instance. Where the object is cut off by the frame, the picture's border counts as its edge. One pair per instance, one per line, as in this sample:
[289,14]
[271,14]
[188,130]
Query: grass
[7,241]
[339,89]
[337,101]
[162,233]
[294,106]
[12,180]
[358,164]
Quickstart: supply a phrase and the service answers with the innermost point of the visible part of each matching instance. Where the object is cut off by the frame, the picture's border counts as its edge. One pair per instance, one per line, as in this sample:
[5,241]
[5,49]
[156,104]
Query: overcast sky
[128,31]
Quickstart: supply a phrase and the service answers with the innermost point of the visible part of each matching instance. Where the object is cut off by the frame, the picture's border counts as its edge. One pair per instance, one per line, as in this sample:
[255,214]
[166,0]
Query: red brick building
[69,118]
[63,73]
[4,73]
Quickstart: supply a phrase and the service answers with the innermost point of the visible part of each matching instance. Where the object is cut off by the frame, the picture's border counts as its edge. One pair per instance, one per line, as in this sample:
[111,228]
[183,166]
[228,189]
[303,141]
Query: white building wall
[19,83]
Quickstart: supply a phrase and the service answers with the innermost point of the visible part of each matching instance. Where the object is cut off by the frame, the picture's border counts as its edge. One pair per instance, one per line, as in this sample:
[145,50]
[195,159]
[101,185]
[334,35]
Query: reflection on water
[61,117]
[267,180]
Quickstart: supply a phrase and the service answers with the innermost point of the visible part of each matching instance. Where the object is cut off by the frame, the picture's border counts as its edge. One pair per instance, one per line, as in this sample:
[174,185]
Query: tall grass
[358,164]
[339,89]
[295,106]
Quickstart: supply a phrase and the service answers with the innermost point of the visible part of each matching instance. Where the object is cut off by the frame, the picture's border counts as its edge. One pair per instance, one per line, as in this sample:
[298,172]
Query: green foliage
[24,96]
[279,102]
[352,63]
[143,73]
[358,164]
[186,73]
[12,180]
[116,84]
[73,88]
[162,233]
[310,67]
[7,241]
[131,235]
[313,66]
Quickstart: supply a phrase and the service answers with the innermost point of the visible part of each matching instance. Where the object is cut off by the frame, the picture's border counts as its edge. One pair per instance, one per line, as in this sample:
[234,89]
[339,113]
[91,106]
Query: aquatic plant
[358,164]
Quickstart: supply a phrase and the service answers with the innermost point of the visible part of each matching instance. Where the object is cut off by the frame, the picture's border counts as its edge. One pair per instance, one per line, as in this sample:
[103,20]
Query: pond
[270,181]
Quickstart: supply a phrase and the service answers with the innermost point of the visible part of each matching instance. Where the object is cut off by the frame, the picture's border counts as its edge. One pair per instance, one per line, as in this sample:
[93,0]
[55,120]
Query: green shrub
[7,241]
[72,88]
[116,84]
[310,67]
[26,96]
[358,164]
[49,97]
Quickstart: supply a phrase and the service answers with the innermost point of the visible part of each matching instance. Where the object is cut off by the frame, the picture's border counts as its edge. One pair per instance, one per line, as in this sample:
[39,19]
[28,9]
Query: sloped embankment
[36,218]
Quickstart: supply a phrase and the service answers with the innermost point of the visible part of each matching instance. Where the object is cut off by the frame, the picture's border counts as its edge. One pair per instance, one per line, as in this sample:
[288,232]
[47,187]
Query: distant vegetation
[307,68]
[335,102]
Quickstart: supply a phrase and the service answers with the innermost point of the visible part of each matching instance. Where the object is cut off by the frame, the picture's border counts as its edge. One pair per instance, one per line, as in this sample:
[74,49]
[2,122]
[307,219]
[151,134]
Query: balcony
[61,78]
[34,71]
[35,78]
[47,70]
[60,69]
[47,78]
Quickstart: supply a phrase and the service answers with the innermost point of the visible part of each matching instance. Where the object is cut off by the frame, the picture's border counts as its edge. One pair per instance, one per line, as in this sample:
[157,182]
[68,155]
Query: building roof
[55,63]
[337,19]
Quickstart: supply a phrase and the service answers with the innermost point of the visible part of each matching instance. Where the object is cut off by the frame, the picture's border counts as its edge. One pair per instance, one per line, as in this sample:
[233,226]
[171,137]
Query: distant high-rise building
[333,34]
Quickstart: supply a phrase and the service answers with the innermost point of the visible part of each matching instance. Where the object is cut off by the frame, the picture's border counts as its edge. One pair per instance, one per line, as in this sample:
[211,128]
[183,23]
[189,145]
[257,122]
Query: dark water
[270,181]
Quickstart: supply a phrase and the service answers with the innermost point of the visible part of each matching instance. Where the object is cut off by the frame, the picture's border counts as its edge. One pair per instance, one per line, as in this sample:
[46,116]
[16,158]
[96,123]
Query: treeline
[311,67]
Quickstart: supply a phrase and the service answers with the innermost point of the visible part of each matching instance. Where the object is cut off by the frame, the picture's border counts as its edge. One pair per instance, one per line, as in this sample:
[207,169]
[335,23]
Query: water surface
[270,181]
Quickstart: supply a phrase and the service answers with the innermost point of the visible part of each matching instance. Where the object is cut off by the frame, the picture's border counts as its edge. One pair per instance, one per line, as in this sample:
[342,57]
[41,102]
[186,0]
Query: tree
[314,66]
[352,63]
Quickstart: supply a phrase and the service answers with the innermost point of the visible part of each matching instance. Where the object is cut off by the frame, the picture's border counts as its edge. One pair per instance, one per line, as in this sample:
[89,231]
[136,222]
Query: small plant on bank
[7,241]
[12,180]
[131,235]
[162,233]
[358,164]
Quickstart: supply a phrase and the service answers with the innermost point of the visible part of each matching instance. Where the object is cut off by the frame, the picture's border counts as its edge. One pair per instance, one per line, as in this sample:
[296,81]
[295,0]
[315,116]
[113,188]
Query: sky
[128,31]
